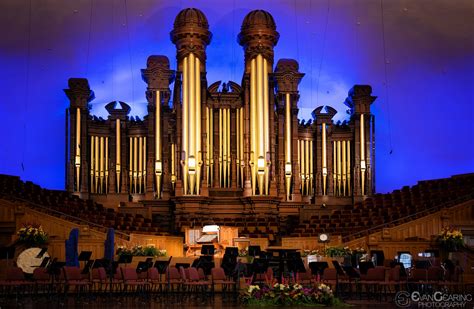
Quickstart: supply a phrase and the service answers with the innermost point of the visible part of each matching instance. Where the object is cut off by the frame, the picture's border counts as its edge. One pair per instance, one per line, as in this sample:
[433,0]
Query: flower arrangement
[450,239]
[289,295]
[337,251]
[139,250]
[32,234]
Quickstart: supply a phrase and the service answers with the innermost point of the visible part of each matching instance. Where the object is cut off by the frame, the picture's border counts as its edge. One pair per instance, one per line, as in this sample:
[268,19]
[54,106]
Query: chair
[194,283]
[155,280]
[131,280]
[219,278]
[373,279]
[417,278]
[42,279]
[173,279]
[99,279]
[73,278]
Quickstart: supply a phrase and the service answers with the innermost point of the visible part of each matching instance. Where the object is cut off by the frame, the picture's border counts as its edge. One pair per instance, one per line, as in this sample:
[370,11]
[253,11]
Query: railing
[404,219]
[72,218]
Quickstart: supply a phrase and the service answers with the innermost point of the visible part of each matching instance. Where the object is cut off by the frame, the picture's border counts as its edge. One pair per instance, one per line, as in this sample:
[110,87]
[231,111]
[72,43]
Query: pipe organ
[222,139]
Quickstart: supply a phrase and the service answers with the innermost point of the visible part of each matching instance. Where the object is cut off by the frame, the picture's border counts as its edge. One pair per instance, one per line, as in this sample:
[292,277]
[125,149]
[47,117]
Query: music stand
[45,262]
[318,267]
[232,251]
[207,250]
[142,267]
[254,251]
[87,267]
[184,265]
[84,256]
[337,266]
[125,259]
[351,272]
[259,266]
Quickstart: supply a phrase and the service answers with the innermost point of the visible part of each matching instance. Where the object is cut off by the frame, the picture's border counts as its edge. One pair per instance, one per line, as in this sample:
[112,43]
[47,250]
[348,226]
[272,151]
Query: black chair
[254,251]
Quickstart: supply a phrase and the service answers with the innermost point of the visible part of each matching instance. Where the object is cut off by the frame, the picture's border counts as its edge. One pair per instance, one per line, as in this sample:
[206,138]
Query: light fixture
[210,228]
[261,165]
[192,165]
[158,167]
[323,237]
[288,169]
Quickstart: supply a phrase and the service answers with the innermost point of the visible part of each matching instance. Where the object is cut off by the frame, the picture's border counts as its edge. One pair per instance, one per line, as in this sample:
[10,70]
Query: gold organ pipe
[92,163]
[229,158]
[362,153]
[77,160]
[288,172]
[144,164]
[96,157]
[334,167]
[260,121]
[101,164]
[324,157]
[173,171]
[106,165]
[140,163]
[344,167]
[221,150]
[135,163]
[198,124]
[339,170]
[158,161]
[266,123]
[211,146]
[253,125]
[241,133]
[130,166]
[185,125]
[306,162]
[208,136]
[237,136]
[224,145]
[192,119]
[311,167]
[349,167]
[303,169]
[118,155]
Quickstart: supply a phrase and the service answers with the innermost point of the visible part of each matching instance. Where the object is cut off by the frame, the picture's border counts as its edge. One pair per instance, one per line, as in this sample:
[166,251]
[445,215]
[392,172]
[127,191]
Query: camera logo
[402,299]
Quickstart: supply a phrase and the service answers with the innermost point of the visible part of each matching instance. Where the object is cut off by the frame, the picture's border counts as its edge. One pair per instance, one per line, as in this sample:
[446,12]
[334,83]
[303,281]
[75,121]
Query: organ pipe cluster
[201,140]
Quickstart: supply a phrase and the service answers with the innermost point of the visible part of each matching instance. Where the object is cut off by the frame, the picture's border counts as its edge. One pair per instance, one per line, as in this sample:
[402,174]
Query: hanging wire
[89,39]
[129,49]
[296,33]
[27,87]
[322,53]
[386,78]
[233,45]
[311,53]
[113,54]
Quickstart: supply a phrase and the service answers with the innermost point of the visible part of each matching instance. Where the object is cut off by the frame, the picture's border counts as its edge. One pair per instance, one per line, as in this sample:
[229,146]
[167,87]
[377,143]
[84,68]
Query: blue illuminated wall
[424,113]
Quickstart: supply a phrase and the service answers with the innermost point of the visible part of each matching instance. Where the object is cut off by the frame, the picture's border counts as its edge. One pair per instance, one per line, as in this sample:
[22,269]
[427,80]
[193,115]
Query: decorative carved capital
[157,74]
[258,35]
[79,92]
[191,34]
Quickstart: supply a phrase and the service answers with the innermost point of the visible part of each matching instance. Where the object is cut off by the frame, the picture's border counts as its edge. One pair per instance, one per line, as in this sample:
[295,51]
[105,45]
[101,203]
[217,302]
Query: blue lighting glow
[424,119]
